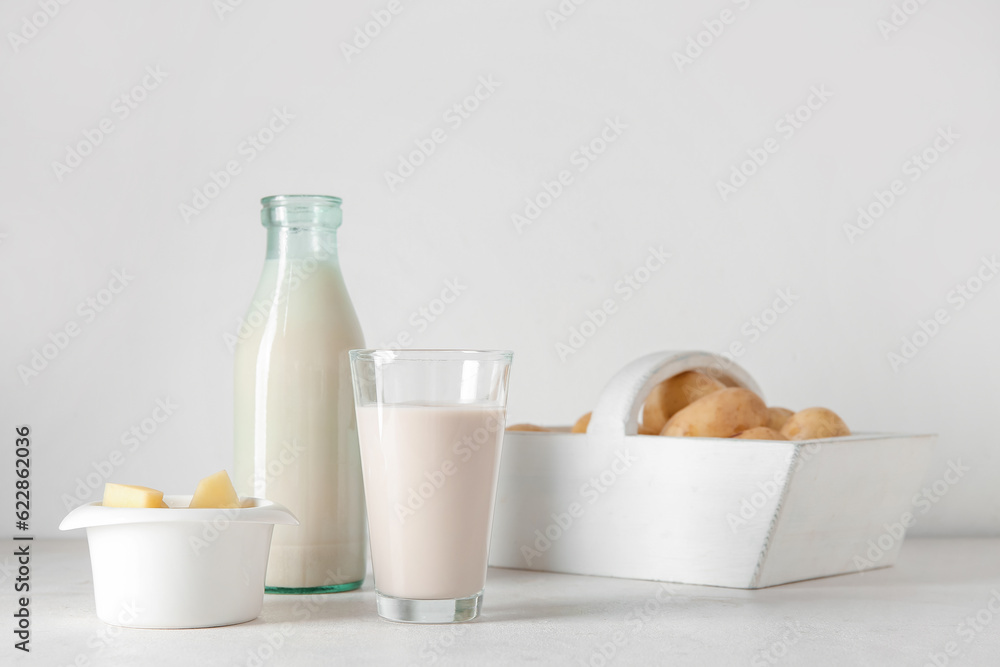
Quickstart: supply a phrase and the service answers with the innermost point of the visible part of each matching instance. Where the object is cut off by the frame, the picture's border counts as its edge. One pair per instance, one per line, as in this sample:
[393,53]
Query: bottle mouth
[300,200]
[301,211]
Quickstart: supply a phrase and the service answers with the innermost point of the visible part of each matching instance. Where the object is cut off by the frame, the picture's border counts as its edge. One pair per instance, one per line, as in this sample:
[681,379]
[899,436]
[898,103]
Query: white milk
[430,482]
[294,419]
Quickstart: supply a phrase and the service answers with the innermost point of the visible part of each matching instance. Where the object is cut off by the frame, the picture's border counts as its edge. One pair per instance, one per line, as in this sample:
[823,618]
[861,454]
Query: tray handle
[617,409]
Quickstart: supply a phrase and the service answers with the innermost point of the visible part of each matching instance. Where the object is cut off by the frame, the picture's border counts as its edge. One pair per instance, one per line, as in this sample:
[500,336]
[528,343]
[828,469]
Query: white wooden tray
[720,512]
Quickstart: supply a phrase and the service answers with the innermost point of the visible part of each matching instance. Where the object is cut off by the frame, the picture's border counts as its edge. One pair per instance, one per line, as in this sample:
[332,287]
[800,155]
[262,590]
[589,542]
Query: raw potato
[760,433]
[525,427]
[776,417]
[814,423]
[581,424]
[674,394]
[645,430]
[721,414]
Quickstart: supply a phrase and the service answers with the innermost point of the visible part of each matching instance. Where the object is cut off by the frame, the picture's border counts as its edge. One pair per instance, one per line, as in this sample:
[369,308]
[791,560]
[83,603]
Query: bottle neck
[316,243]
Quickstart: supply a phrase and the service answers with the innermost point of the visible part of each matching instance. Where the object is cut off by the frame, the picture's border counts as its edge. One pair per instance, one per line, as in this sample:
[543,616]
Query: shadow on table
[523,598]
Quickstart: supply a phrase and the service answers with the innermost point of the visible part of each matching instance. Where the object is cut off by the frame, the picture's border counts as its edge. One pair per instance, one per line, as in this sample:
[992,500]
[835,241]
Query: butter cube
[215,491]
[124,495]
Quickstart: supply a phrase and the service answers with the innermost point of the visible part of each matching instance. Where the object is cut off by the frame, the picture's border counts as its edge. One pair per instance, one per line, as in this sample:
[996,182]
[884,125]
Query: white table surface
[895,616]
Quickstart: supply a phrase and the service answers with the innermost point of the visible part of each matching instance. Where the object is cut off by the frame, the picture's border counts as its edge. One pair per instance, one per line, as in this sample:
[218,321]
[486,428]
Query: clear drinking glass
[430,424]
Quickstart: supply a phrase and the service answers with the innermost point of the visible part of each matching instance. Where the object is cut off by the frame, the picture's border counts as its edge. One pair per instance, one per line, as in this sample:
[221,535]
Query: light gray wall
[682,129]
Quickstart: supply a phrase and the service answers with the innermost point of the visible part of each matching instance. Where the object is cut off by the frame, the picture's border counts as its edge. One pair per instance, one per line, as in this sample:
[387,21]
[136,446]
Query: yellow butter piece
[124,495]
[215,491]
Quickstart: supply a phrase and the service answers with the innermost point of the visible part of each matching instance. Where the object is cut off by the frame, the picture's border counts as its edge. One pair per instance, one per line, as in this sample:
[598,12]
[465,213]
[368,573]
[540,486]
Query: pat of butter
[124,495]
[215,491]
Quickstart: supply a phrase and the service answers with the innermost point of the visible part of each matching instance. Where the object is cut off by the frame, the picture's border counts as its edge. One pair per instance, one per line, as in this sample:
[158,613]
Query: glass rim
[274,201]
[429,354]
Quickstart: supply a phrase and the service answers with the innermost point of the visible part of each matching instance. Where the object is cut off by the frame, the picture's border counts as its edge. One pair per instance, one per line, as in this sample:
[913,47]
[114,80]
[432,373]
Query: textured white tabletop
[943,597]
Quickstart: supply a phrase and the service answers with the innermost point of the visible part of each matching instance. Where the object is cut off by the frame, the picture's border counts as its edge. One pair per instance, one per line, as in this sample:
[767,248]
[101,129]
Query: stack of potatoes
[697,405]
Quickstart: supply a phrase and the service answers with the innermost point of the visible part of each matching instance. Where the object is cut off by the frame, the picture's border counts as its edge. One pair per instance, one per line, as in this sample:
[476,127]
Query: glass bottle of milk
[296,434]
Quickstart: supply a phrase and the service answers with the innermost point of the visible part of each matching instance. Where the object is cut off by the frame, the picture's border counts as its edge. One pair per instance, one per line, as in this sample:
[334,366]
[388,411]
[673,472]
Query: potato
[721,414]
[814,423]
[525,427]
[673,394]
[776,417]
[581,424]
[645,430]
[760,433]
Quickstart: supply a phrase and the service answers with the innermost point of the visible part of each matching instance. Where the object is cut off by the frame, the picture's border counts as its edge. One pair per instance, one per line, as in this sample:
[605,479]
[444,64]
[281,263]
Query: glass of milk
[430,424]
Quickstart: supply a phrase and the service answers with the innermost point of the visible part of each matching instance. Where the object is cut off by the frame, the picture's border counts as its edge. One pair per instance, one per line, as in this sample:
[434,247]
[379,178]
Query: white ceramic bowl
[178,567]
